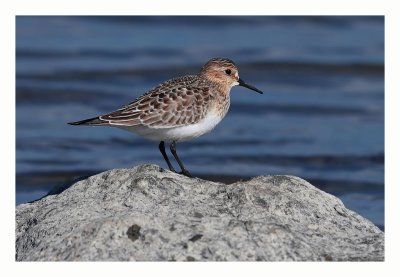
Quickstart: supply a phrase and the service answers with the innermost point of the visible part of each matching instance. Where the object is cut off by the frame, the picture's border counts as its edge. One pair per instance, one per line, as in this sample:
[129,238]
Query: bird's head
[224,73]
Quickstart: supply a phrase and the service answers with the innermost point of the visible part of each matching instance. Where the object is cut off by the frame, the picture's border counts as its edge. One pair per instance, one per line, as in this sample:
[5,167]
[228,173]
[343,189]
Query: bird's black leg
[161,146]
[184,170]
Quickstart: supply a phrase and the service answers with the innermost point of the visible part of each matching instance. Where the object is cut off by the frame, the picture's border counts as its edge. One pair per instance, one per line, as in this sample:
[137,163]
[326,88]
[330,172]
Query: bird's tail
[95,121]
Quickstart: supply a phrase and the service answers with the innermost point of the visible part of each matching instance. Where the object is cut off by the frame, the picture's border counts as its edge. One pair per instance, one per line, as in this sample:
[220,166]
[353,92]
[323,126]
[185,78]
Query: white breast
[195,130]
[181,133]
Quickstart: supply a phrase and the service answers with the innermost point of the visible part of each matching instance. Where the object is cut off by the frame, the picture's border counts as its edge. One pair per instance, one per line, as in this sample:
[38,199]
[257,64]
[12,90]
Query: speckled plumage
[179,109]
[176,102]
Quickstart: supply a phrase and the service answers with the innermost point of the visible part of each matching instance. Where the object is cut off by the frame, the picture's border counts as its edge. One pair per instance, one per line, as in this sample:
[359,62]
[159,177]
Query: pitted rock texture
[150,214]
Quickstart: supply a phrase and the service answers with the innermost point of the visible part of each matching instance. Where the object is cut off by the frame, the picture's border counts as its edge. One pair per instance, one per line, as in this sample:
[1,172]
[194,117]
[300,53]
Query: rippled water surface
[321,117]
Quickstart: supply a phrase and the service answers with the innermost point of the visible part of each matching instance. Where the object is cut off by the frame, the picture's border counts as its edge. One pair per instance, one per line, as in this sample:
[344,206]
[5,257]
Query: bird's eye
[228,71]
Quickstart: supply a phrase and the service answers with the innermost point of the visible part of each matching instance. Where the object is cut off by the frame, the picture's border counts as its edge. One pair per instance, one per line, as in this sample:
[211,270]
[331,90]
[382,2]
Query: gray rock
[148,214]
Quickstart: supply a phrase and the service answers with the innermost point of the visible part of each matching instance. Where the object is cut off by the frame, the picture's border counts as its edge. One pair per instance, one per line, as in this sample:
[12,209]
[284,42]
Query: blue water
[321,117]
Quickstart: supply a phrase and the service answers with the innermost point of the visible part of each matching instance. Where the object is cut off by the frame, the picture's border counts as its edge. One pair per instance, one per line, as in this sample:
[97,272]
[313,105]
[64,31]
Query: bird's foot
[186,173]
[170,169]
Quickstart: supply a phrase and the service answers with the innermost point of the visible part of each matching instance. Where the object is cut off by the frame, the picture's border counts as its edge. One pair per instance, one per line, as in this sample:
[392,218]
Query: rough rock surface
[148,214]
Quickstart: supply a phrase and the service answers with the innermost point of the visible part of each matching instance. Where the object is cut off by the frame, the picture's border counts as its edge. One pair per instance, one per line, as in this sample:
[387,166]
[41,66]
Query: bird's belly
[180,133]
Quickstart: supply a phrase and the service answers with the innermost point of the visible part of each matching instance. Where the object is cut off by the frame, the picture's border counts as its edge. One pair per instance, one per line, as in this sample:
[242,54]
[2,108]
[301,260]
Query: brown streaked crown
[218,62]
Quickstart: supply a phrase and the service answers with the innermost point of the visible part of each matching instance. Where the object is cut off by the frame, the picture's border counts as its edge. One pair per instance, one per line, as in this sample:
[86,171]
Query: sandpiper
[179,109]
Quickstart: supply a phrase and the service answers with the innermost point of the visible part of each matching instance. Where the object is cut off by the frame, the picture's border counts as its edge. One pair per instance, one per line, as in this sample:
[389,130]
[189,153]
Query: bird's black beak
[244,84]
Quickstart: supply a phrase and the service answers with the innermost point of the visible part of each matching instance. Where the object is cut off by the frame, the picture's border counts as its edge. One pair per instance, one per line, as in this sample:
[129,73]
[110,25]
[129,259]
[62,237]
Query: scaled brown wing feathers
[177,102]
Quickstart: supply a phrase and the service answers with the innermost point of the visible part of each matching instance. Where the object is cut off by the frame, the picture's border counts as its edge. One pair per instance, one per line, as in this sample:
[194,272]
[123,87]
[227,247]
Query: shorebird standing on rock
[179,109]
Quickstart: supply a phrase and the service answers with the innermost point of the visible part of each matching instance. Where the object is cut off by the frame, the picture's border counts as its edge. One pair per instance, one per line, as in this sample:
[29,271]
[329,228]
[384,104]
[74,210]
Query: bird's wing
[177,102]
